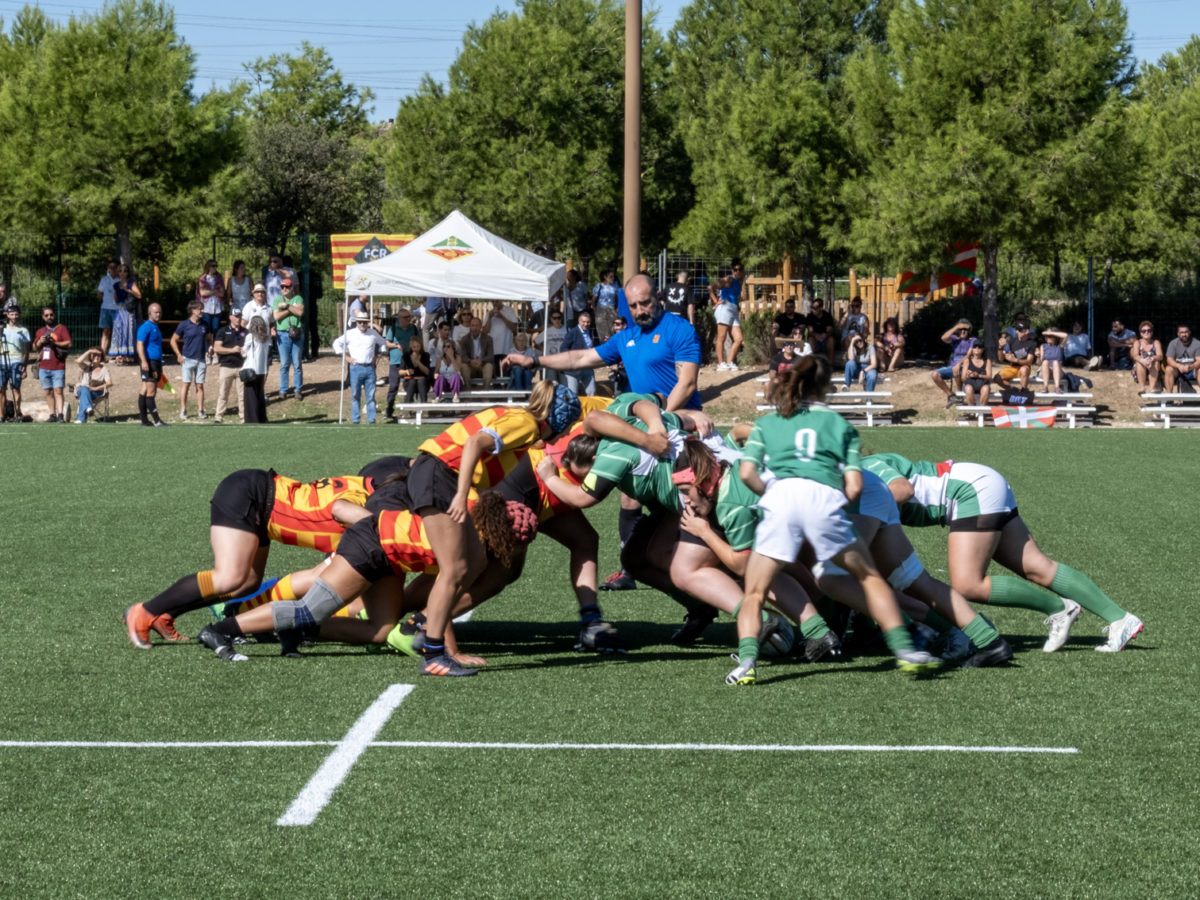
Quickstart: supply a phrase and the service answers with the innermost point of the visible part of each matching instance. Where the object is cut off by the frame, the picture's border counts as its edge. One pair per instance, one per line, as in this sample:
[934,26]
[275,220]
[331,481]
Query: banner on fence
[361,248]
[961,269]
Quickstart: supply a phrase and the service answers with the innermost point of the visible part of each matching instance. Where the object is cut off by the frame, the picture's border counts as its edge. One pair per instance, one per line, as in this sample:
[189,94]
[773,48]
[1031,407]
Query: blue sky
[390,46]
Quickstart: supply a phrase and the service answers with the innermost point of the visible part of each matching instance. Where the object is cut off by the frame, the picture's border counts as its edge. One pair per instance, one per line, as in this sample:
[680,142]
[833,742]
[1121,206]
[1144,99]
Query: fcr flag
[1023,416]
[959,270]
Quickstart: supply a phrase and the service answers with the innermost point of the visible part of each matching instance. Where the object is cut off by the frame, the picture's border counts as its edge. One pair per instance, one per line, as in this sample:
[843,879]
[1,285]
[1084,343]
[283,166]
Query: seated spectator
[1050,359]
[475,353]
[780,363]
[958,336]
[820,327]
[1018,319]
[441,337]
[1018,357]
[462,325]
[889,346]
[787,324]
[618,379]
[976,376]
[94,380]
[398,335]
[1120,339]
[1183,356]
[860,360]
[1077,348]
[417,371]
[522,378]
[854,322]
[447,377]
[1147,356]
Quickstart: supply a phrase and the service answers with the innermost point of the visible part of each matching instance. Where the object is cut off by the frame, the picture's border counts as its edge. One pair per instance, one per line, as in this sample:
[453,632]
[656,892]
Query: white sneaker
[743,674]
[1060,625]
[732,367]
[1121,632]
[1093,363]
[201,415]
[722,367]
[916,662]
[183,414]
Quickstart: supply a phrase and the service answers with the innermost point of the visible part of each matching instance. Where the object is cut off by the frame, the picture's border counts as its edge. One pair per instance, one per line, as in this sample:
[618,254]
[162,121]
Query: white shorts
[193,371]
[977,492]
[727,314]
[796,510]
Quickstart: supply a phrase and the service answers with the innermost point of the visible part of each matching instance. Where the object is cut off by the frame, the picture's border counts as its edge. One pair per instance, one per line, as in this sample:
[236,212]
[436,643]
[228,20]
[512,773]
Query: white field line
[465,617]
[310,801]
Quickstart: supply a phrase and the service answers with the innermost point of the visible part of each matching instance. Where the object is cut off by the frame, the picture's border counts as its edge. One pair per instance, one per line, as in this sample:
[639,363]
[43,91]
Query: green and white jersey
[737,511]
[636,472]
[930,481]
[814,442]
[622,405]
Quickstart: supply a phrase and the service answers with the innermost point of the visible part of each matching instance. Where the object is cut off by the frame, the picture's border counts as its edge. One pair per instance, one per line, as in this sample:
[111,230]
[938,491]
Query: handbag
[247,375]
[294,332]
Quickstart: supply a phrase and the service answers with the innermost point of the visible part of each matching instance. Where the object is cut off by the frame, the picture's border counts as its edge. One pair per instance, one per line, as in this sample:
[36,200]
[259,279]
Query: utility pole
[631,244]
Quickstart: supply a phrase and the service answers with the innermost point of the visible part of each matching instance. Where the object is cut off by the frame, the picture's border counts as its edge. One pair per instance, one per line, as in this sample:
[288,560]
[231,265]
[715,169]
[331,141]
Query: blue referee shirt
[650,354]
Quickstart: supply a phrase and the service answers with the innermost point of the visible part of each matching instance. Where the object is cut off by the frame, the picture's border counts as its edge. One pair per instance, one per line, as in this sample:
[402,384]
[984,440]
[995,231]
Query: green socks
[1070,583]
[748,648]
[980,632]
[814,628]
[1010,591]
[898,638]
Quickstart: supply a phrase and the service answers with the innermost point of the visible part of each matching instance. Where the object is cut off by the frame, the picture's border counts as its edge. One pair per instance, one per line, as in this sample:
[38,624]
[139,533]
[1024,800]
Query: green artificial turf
[97,518]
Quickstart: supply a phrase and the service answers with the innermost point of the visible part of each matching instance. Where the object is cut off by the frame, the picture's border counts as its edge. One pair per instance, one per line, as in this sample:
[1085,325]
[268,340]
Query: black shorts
[521,485]
[393,495]
[385,467]
[153,372]
[431,483]
[989,522]
[360,547]
[975,383]
[243,500]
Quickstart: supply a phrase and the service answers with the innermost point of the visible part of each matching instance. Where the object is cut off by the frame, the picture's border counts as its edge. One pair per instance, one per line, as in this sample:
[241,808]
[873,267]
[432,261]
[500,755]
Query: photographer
[860,358]
[52,343]
[14,357]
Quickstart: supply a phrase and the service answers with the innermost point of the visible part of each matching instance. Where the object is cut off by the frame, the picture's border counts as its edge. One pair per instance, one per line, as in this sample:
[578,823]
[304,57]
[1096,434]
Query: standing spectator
[1147,356]
[436,310]
[1183,356]
[1050,359]
[228,349]
[890,345]
[258,308]
[725,300]
[820,327]
[398,337]
[106,291]
[605,295]
[448,377]
[289,326]
[190,344]
[501,324]
[551,340]
[418,371]
[1018,356]
[618,378]
[358,304]
[976,375]
[860,360]
[362,344]
[1120,340]
[256,355]
[779,365]
[274,275]
[210,291]
[785,325]
[679,299]
[1077,348]
[475,354]
[52,343]
[149,351]
[14,357]
[577,297]
[94,380]
[854,321]
[522,379]
[958,336]
[238,285]
[124,334]
[438,345]
[581,382]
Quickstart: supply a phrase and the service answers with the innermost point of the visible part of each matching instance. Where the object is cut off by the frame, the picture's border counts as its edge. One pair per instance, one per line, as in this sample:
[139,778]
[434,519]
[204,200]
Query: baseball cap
[287,282]
[236,311]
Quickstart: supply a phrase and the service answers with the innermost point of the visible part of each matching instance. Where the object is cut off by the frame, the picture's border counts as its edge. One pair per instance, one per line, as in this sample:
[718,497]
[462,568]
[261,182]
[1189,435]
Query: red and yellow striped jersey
[303,512]
[549,505]
[404,542]
[517,429]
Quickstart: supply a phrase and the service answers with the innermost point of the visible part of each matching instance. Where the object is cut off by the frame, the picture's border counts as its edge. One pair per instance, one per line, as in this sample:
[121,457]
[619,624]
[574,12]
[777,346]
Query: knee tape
[317,605]
[906,573]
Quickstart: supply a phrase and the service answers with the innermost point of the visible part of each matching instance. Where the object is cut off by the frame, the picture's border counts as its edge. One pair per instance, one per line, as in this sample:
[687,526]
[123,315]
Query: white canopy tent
[457,258]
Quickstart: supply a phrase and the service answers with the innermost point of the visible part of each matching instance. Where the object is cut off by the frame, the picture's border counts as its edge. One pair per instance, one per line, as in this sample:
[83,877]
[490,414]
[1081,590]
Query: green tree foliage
[101,130]
[306,89]
[526,138]
[1002,120]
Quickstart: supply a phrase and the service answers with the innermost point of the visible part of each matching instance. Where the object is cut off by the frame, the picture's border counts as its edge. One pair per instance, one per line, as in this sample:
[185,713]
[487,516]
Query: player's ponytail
[804,382]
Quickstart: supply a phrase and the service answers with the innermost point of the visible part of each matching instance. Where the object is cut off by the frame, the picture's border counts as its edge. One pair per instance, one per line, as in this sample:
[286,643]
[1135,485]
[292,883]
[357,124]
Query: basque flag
[1023,416]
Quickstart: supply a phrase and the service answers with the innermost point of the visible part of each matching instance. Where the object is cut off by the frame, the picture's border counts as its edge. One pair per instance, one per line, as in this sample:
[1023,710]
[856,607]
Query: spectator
[228,349]
[475,354]
[1077,348]
[149,351]
[577,297]
[1018,356]
[854,321]
[1050,359]
[860,360]
[890,345]
[555,334]
[258,308]
[605,295]
[210,291]
[52,343]
[436,309]
[94,380]
[1183,356]
[448,377]
[618,378]
[256,354]
[958,336]
[289,327]
[190,344]
[106,291]
[820,327]
[679,298]
[780,363]
[581,382]
[358,304]
[501,324]
[522,379]
[277,270]
[362,344]
[1120,340]
[124,334]
[1147,356]
[787,326]
[1018,319]
[442,338]
[726,296]
[14,357]
[418,371]
[238,285]
[976,376]
[398,337]
[462,325]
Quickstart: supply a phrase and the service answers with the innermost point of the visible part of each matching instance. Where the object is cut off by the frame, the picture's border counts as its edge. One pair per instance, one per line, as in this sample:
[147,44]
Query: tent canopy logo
[451,248]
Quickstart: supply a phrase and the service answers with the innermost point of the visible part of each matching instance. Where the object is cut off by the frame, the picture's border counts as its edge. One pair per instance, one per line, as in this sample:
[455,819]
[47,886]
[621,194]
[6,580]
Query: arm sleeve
[754,449]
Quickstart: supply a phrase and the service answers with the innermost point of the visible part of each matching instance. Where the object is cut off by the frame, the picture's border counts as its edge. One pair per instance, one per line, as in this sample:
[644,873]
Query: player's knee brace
[317,605]
[906,573]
